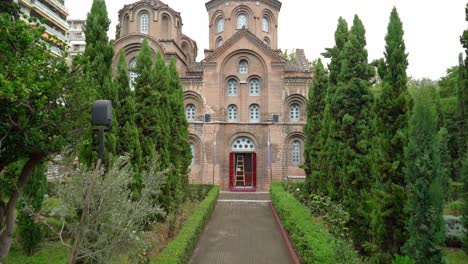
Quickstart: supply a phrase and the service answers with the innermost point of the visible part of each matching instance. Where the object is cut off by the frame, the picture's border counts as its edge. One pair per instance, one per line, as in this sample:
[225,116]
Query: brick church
[245,104]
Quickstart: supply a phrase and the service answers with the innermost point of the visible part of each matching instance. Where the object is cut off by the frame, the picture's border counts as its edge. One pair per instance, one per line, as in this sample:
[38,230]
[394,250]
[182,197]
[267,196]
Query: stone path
[242,230]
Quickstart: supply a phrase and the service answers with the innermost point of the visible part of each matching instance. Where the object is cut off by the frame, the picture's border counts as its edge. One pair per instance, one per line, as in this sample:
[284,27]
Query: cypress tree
[129,141]
[181,155]
[392,109]
[462,102]
[315,110]
[29,229]
[327,160]
[423,173]
[350,144]
[146,101]
[464,176]
[98,56]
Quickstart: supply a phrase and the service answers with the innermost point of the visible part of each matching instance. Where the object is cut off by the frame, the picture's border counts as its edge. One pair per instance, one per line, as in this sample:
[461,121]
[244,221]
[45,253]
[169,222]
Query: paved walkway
[242,230]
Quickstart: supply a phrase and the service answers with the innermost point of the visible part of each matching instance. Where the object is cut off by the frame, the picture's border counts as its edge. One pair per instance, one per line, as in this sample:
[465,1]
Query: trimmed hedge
[310,238]
[179,251]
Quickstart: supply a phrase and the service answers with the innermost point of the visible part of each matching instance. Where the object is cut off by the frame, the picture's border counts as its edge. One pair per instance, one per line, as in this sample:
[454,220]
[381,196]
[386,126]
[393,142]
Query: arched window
[296,152]
[265,24]
[241,21]
[254,113]
[219,42]
[125,25]
[295,112]
[243,144]
[220,25]
[192,150]
[243,67]
[232,87]
[132,74]
[232,113]
[144,23]
[190,112]
[266,41]
[254,87]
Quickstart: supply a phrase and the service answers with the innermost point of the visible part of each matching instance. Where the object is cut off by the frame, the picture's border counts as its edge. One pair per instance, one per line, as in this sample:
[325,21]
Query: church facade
[245,104]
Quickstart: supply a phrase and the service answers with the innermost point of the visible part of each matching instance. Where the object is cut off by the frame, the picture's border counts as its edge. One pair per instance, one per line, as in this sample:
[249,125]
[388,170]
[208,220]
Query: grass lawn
[48,253]
[456,256]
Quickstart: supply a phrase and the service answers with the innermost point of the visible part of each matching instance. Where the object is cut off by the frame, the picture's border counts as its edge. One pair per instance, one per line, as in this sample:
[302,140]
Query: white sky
[432,27]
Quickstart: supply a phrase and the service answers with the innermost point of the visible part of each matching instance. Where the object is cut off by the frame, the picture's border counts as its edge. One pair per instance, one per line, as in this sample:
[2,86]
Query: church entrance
[243,166]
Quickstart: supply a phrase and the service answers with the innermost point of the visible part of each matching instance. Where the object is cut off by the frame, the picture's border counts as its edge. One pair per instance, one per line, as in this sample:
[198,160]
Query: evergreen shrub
[454,231]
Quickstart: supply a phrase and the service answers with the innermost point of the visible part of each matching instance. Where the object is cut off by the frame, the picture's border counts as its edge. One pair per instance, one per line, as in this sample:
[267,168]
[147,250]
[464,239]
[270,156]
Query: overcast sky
[432,27]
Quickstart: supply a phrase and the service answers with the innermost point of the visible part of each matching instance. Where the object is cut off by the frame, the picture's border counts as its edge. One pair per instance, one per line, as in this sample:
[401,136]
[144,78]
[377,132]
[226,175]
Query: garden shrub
[403,260]
[454,208]
[454,230]
[181,248]
[310,238]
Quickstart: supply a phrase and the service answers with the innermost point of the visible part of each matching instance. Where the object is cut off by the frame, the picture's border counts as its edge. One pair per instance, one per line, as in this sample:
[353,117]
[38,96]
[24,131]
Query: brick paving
[241,233]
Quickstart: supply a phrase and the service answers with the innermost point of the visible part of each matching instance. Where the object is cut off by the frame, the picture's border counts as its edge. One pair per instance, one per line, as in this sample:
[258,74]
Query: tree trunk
[6,234]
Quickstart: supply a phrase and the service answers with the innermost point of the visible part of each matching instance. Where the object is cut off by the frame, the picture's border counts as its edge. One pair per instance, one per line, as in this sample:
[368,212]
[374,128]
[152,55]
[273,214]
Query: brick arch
[214,18]
[272,18]
[243,134]
[166,22]
[197,142]
[291,99]
[192,97]
[131,45]
[244,55]
[243,9]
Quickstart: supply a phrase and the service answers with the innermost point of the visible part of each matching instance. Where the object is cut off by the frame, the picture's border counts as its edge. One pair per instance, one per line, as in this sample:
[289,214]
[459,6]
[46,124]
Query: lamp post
[101,116]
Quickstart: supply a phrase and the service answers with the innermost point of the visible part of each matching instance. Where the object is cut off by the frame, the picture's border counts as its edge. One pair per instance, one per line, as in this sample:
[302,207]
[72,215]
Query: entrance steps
[255,197]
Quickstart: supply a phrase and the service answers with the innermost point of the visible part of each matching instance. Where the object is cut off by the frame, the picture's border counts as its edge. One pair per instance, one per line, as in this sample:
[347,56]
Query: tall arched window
[295,112]
[190,112]
[144,23]
[254,113]
[220,25]
[132,74]
[241,21]
[296,152]
[254,87]
[232,113]
[219,42]
[243,67]
[192,150]
[232,88]
[265,24]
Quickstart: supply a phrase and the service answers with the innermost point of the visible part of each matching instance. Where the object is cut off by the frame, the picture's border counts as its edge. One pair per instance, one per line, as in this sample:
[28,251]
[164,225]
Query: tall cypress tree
[315,110]
[352,115]
[181,154]
[98,56]
[146,101]
[327,160]
[464,177]
[392,109]
[129,141]
[423,176]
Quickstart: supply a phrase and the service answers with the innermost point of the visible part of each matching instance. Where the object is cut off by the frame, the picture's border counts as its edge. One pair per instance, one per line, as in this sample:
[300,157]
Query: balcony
[56,18]
[54,32]
[60,6]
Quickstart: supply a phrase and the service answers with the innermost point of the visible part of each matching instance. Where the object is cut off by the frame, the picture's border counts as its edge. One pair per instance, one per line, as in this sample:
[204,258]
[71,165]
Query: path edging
[285,236]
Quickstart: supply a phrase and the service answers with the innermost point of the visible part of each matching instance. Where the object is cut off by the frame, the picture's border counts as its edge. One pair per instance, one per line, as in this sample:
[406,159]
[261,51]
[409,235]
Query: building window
[265,24]
[241,21]
[232,113]
[296,152]
[243,67]
[132,74]
[190,112]
[254,113]
[192,150]
[295,112]
[266,41]
[219,42]
[243,144]
[254,87]
[220,24]
[144,24]
[232,87]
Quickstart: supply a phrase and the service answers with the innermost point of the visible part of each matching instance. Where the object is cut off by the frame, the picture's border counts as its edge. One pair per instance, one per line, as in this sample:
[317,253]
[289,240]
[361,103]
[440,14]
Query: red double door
[242,171]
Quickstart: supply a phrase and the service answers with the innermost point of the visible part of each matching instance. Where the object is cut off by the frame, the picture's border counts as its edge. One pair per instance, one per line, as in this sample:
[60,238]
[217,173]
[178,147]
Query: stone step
[244,196]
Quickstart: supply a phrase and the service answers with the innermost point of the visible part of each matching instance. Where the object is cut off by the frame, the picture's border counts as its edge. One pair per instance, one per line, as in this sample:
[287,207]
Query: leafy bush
[454,231]
[454,208]
[180,249]
[198,192]
[310,238]
[403,260]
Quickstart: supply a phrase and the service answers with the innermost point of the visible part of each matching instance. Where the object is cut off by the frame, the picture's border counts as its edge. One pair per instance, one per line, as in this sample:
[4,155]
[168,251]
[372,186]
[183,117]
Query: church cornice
[250,36]
[271,3]
[140,37]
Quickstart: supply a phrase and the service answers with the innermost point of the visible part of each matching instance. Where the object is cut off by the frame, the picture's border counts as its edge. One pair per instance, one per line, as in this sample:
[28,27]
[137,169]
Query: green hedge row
[179,251]
[310,238]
